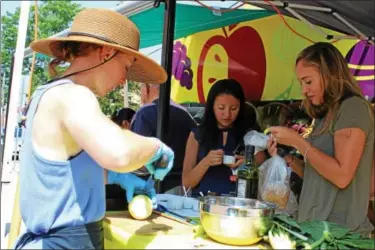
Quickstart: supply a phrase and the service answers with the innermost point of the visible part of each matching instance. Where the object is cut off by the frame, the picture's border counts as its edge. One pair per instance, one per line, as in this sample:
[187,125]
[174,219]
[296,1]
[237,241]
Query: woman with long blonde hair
[338,153]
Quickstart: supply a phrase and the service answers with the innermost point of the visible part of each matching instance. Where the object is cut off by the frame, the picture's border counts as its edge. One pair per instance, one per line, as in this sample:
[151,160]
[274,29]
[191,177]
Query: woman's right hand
[272,146]
[272,150]
[214,157]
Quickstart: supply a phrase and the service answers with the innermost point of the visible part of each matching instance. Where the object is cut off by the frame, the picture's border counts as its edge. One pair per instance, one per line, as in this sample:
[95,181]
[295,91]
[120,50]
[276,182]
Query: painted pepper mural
[260,55]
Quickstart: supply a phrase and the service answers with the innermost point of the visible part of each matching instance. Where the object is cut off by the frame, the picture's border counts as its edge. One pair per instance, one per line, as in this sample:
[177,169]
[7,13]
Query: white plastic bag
[274,182]
[256,139]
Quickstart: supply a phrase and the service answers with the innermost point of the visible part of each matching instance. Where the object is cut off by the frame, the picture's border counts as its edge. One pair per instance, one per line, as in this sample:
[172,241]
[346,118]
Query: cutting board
[157,232]
[154,225]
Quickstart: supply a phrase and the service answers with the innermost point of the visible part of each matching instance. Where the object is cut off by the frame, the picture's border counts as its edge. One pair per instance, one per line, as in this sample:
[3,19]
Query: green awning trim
[189,20]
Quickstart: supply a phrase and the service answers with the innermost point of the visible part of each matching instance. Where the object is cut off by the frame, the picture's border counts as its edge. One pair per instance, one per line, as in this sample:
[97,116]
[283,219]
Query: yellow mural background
[281,48]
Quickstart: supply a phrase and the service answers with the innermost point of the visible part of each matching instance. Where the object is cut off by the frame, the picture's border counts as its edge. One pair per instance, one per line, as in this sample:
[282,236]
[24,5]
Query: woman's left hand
[239,160]
[285,136]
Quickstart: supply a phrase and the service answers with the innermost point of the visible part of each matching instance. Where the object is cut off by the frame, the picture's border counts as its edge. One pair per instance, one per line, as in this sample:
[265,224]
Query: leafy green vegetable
[324,246]
[263,225]
[288,220]
[295,234]
[313,228]
[280,239]
[341,246]
[352,236]
[319,234]
[338,231]
[358,244]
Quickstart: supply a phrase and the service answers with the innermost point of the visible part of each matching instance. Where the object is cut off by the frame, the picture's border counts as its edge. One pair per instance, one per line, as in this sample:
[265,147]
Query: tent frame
[289,7]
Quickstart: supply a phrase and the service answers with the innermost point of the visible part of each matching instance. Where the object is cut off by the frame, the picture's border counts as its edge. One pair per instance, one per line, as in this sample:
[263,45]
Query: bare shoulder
[68,94]
[69,97]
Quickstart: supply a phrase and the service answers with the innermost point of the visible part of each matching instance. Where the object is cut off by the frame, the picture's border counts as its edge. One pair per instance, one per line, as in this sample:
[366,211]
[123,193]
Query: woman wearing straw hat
[69,141]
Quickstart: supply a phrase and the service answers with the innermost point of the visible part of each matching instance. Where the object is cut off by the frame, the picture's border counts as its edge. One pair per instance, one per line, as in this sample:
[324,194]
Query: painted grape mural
[181,66]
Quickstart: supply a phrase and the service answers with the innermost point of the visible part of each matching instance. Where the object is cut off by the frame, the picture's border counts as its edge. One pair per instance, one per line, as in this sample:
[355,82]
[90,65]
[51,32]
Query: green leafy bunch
[314,235]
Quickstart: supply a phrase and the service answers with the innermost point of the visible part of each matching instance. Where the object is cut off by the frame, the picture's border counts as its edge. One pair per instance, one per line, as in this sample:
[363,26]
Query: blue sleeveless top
[55,194]
[217,178]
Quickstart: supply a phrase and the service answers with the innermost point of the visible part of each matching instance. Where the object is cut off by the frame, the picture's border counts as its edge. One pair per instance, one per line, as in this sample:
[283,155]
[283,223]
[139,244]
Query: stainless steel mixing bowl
[235,221]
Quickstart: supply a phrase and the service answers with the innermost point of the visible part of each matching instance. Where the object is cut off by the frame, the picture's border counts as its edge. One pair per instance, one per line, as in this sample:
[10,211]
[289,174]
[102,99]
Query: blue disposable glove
[163,156]
[133,185]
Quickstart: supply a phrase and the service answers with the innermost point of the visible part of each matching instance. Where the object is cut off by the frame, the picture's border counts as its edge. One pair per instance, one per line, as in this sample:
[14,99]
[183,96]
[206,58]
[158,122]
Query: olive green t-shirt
[322,200]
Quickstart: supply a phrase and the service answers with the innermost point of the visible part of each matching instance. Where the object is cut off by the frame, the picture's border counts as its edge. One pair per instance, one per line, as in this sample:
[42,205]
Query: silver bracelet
[305,154]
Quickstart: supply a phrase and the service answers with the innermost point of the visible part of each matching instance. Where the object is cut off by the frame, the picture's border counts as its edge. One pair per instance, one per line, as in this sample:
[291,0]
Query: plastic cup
[229,159]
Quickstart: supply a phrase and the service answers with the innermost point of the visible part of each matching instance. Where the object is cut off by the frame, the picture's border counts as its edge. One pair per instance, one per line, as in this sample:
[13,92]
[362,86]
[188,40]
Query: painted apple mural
[245,60]
[360,60]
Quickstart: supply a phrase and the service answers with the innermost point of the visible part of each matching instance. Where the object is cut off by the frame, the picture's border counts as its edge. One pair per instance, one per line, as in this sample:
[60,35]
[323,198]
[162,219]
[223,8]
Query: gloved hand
[133,185]
[163,156]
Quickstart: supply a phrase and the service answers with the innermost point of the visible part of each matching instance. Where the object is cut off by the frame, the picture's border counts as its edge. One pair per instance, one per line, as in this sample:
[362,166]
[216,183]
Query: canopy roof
[358,13]
[189,20]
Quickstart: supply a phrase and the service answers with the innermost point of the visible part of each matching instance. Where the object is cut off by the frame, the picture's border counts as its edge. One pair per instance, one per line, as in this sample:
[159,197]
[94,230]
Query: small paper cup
[229,159]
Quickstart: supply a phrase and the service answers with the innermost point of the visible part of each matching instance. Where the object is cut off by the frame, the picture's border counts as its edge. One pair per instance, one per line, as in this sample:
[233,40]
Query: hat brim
[143,70]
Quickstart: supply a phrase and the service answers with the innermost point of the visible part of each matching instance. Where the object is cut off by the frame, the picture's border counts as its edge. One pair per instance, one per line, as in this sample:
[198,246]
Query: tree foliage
[53,17]
[115,99]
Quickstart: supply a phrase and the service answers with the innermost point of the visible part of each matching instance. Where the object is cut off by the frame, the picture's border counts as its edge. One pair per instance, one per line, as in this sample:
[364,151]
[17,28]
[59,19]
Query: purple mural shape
[181,66]
[360,59]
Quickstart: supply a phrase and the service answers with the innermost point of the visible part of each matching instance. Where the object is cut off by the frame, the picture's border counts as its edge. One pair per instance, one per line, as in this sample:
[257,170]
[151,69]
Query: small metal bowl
[235,221]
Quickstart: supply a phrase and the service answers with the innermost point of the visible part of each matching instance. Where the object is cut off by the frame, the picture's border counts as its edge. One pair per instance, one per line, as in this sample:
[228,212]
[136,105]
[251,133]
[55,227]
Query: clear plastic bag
[256,139]
[274,182]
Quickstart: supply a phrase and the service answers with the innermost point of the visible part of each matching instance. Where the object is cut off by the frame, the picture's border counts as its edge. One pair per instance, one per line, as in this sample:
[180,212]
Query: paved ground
[7,199]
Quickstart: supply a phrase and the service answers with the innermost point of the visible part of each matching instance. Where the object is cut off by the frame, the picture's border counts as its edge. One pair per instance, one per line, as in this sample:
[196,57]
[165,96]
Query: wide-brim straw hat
[109,28]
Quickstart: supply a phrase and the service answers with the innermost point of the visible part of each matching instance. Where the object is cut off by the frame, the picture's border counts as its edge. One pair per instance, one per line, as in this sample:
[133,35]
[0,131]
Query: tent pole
[293,5]
[288,6]
[6,111]
[126,94]
[343,20]
[166,62]
[297,15]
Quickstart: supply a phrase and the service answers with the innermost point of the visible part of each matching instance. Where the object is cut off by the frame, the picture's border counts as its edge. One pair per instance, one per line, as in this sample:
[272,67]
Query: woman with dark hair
[123,117]
[222,130]
[338,153]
